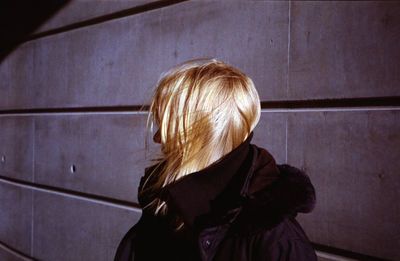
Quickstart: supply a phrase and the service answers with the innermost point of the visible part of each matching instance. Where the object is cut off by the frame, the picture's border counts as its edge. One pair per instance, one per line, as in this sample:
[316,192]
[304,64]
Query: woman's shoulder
[149,229]
[125,248]
[284,241]
[288,241]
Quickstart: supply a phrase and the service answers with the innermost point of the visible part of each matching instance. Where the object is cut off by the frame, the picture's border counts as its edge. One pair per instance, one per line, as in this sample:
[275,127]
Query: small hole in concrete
[73,168]
[3,158]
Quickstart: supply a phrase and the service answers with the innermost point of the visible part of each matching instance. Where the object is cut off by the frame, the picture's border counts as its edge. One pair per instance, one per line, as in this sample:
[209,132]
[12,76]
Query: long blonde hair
[204,109]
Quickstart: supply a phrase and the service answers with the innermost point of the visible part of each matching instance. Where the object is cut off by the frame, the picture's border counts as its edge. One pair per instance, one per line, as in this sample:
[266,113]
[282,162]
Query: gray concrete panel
[270,134]
[252,36]
[118,62]
[16,78]
[353,160]
[16,147]
[80,10]
[344,49]
[16,217]
[107,152]
[74,229]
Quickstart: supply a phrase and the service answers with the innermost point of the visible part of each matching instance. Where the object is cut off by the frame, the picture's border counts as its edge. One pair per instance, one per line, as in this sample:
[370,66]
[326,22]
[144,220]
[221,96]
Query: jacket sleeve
[125,248]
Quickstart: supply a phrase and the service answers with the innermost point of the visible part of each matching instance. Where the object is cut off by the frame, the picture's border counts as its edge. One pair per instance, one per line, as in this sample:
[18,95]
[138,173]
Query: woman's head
[203,110]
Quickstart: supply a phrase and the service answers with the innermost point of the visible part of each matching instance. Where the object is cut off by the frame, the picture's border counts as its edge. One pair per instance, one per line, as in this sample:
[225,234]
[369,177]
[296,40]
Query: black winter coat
[241,208]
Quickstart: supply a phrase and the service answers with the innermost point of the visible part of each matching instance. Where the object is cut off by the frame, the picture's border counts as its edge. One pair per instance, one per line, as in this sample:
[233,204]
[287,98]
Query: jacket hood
[246,180]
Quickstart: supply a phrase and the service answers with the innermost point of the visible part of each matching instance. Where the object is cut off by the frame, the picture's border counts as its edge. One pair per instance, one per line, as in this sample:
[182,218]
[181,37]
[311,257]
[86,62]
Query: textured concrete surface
[73,229]
[17,78]
[344,49]
[118,62]
[270,134]
[353,161]
[107,151]
[16,217]
[251,36]
[80,10]
[16,147]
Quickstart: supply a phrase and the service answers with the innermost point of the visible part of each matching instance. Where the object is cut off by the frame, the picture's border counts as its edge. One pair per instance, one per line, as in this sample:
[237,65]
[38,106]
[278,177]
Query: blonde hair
[204,109]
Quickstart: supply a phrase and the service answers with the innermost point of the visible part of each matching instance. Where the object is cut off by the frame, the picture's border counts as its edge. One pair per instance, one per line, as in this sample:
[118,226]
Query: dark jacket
[241,208]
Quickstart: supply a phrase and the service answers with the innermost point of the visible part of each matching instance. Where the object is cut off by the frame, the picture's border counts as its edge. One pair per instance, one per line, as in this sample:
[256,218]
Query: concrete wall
[68,176]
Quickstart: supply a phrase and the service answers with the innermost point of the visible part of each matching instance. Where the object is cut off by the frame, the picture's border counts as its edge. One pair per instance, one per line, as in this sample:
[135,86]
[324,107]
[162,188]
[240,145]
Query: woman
[213,195]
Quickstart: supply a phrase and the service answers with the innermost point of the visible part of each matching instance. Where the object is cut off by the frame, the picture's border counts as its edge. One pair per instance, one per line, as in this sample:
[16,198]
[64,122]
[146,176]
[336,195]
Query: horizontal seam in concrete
[15,252]
[105,18]
[73,194]
[333,109]
[386,101]
[365,103]
[145,112]
[99,109]
[74,113]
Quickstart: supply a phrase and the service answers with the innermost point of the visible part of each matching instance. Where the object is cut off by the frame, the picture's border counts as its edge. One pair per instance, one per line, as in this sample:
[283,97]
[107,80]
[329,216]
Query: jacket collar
[193,195]
[249,176]
[221,184]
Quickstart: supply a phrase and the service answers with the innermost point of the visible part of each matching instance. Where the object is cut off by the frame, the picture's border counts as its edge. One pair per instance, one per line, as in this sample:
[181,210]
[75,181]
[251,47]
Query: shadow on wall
[20,18]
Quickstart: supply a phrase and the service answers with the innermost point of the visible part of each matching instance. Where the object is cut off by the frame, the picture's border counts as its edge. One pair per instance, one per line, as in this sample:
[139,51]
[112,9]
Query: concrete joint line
[69,195]
[338,109]
[15,253]
[104,18]
[378,108]
[75,113]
